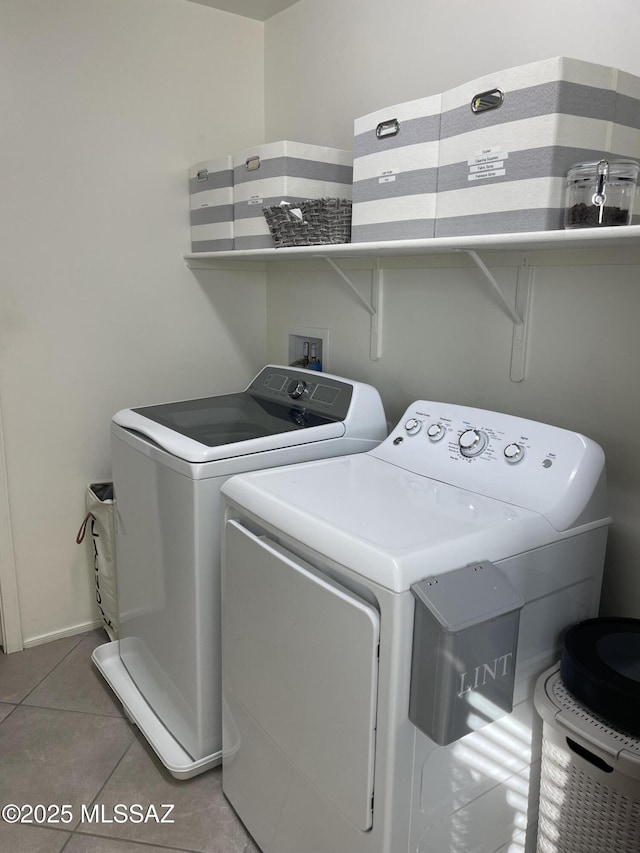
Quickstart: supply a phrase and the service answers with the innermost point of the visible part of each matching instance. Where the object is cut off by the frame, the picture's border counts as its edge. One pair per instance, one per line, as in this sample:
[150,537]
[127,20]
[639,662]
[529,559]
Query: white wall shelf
[586,240]
[579,238]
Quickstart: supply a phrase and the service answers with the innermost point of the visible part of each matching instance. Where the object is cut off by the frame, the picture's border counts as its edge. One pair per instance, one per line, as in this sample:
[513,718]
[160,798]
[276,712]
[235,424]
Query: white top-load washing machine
[384,619]
[169,462]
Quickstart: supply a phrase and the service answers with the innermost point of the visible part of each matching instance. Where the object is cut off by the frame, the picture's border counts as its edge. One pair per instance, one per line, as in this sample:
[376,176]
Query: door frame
[10,625]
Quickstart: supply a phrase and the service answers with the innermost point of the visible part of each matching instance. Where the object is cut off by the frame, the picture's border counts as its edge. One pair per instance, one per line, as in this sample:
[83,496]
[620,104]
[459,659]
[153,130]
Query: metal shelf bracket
[374,309]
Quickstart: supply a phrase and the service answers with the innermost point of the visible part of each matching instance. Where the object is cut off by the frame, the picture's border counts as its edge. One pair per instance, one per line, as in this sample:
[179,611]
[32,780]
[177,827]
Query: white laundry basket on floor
[590,777]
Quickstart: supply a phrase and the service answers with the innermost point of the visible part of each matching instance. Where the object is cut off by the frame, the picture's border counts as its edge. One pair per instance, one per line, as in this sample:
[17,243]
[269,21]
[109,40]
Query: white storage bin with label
[211,202]
[507,141]
[395,165]
[283,171]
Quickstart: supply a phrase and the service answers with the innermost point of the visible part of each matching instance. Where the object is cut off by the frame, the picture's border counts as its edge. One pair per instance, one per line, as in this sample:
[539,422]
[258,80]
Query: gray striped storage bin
[507,141]
[283,171]
[626,127]
[211,199]
[395,167]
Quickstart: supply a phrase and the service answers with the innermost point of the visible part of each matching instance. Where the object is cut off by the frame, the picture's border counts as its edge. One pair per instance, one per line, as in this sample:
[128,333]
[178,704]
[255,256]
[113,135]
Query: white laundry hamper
[590,777]
[100,519]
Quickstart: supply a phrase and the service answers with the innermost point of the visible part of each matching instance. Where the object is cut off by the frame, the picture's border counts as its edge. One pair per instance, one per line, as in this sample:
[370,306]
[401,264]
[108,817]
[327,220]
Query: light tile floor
[64,740]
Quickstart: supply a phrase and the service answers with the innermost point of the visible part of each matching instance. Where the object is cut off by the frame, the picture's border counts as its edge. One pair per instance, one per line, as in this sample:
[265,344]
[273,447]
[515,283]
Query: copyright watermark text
[53,813]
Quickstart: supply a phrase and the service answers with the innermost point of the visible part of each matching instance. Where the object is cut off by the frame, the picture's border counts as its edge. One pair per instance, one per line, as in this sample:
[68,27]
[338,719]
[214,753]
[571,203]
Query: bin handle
[490,100]
[83,528]
[589,756]
[391,127]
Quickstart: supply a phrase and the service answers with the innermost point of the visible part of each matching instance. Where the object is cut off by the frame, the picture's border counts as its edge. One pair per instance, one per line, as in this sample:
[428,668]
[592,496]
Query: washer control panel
[316,392]
[520,461]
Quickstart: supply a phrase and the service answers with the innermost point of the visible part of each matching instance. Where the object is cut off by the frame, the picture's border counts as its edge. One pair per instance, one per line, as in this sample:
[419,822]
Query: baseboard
[66,632]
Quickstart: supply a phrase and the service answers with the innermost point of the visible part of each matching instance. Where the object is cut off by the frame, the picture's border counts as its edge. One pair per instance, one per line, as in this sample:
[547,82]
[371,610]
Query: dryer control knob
[296,388]
[514,453]
[436,432]
[412,426]
[472,442]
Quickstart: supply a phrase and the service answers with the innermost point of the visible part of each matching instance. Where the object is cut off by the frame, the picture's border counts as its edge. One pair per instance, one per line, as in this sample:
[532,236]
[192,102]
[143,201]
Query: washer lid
[282,407]
[196,436]
[383,522]
[224,426]
[600,665]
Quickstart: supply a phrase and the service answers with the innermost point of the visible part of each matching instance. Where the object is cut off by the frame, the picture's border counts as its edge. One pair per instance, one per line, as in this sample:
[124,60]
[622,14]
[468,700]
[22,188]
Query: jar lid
[617,170]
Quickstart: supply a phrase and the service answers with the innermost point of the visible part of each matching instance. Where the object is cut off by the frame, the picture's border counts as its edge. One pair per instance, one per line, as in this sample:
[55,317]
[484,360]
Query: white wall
[328,61]
[105,104]
[444,337]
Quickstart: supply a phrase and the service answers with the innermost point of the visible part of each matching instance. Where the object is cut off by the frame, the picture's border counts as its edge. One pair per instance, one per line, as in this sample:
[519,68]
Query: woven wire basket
[310,222]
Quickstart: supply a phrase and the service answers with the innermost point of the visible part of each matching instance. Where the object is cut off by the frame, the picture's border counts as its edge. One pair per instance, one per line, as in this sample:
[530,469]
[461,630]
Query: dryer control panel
[530,464]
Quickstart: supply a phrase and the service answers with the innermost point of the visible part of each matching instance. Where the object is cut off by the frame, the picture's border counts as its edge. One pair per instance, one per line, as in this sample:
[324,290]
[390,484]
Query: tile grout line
[149,844]
[97,797]
[71,711]
[76,831]
[54,667]
[102,787]
[10,712]
[72,831]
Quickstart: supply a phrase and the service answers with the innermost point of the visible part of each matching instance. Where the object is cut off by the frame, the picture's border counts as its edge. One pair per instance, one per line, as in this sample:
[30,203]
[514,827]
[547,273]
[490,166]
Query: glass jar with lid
[601,193]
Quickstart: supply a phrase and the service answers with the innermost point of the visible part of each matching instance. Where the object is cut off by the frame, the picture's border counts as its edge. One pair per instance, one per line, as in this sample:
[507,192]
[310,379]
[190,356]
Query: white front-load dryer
[385,617]
[169,462]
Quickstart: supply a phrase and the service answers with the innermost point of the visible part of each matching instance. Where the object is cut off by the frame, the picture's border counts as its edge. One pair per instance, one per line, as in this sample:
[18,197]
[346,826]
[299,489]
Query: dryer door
[301,656]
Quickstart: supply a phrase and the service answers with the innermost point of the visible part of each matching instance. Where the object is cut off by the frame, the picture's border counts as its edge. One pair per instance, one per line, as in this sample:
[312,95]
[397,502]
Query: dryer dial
[436,432]
[413,426]
[514,453]
[472,442]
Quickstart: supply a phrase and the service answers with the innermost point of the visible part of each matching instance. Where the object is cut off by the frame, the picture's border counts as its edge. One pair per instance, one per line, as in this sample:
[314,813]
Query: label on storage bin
[481,176]
[387,176]
[255,199]
[487,155]
[487,163]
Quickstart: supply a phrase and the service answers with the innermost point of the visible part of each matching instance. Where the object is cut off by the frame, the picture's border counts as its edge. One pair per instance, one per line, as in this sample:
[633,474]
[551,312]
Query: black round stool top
[600,666]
